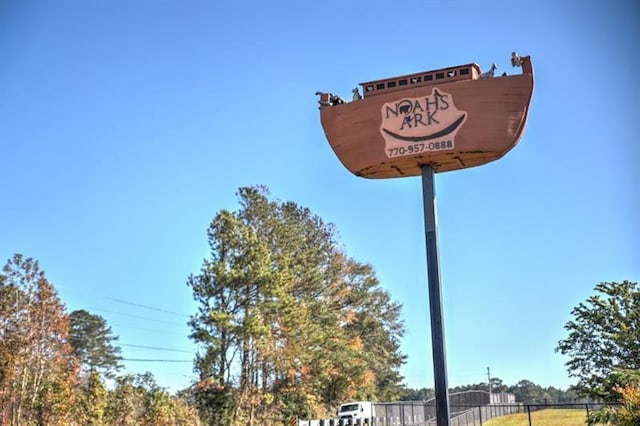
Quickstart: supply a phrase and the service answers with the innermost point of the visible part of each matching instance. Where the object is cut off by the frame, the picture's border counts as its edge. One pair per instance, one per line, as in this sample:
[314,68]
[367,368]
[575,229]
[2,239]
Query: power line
[152,330]
[156,348]
[123,301]
[137,316]
[140,305]
[112,325]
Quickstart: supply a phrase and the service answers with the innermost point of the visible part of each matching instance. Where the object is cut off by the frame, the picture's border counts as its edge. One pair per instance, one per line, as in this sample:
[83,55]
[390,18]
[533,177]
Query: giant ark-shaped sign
[451,118]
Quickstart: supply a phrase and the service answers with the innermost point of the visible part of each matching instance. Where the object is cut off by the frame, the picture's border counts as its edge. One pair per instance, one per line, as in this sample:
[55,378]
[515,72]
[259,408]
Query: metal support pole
[435,297]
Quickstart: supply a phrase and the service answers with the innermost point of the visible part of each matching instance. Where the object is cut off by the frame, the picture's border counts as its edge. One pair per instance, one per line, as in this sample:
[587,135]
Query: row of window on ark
[438,75]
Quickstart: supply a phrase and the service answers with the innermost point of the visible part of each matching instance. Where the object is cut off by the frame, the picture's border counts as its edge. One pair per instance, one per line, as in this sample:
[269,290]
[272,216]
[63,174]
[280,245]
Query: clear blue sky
[125,126]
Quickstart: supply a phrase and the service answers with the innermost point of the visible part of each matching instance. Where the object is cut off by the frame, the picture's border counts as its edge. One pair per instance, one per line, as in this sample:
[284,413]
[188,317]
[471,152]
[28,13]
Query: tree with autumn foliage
[286,322]
[138,400]
[40,380]
[627,388]
[37,369]
[629,413]
[91,401]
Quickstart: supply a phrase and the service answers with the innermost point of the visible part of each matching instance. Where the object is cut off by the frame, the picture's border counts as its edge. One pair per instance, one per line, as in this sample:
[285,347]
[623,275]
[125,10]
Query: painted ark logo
[414,125]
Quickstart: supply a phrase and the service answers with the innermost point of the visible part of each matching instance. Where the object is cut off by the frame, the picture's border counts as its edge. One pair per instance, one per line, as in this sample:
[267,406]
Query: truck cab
[356,410]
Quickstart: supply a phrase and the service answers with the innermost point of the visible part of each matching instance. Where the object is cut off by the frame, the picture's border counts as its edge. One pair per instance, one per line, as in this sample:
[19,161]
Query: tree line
[287,324]
[525,391]
[54,364]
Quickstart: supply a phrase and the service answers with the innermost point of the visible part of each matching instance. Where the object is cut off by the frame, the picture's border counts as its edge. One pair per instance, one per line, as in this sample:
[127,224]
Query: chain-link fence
[423,414]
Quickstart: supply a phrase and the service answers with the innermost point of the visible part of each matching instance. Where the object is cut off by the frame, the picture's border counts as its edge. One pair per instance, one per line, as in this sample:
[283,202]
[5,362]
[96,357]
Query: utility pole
[489,382]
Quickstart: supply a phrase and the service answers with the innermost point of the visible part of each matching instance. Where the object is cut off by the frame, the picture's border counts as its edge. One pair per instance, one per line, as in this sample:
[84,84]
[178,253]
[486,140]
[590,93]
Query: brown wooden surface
[496,116]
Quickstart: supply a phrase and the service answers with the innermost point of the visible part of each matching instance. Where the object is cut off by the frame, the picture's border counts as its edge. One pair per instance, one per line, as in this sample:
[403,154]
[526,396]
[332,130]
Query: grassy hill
[550,417]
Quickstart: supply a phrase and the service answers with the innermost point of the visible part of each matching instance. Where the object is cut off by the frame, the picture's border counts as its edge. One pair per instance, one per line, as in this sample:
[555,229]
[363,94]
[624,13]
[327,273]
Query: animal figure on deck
[337,100]
[489,74]
[329,99]
[356,94]
[516,60]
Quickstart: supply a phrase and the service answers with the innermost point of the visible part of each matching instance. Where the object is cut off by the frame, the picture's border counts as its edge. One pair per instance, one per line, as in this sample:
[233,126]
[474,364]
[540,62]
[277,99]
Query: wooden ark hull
[449,125]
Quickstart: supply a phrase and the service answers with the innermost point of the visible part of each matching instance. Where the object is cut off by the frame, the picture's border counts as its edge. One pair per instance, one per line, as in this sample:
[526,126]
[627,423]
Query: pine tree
[287,323]
[94,344]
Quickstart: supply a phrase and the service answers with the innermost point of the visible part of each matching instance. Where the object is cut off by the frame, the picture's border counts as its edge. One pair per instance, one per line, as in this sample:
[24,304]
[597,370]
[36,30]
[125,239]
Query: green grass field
[550,417]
